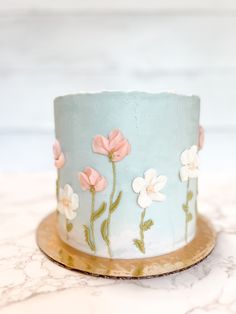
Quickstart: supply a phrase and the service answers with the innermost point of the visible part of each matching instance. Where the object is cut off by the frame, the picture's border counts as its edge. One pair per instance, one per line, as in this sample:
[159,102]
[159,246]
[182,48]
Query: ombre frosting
[127,172]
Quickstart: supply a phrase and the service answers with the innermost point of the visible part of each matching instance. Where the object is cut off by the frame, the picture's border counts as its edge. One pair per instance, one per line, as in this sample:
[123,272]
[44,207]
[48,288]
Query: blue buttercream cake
[127,172]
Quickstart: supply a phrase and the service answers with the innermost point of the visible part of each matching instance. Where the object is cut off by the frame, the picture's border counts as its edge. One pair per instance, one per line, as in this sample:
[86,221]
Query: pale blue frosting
[159,127]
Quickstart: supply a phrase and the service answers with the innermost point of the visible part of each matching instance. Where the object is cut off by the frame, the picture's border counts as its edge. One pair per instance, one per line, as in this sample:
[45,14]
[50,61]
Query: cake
[127,172]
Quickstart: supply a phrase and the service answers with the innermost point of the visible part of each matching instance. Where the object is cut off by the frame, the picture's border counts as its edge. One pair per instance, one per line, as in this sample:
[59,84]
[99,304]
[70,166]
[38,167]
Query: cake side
[127,176]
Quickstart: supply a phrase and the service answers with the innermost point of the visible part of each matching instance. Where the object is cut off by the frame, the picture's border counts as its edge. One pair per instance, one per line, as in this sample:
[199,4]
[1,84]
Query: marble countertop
[30,283]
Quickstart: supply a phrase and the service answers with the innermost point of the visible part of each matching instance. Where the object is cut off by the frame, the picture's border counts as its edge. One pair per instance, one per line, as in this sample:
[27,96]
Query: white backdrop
[50,48]
[122,5]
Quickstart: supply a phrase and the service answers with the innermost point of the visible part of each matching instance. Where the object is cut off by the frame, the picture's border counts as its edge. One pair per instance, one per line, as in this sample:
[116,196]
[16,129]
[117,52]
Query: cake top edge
[127,93]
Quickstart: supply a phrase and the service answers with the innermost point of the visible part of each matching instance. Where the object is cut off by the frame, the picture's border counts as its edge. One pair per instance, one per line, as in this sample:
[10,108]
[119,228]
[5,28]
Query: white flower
[68,202]
[189,159]
[149,187]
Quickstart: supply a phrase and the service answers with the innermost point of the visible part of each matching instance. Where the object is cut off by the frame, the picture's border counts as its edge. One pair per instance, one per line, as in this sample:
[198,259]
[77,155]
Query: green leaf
[116,203]
[147,224]
[190,195]
[189,217]
[98,213]
[104,231]
[185,208]
[69,226]
[88,238]
[140,245]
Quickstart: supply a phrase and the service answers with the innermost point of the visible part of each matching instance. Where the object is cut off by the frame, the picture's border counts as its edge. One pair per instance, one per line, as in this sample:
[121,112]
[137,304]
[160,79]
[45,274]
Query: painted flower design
[58,155]
[201,137]
[189,159]
[188,171]
[115,146]
[91,180]
[68,202]
[149,188]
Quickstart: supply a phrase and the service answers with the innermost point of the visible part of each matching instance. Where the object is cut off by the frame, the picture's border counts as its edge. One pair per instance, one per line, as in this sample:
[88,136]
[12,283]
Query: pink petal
[115,137]
[122,150]
[84,181]
[201,137]
[87,171]
[114,133]
[56,149]
[100,145]
[92,174]
[59,163]
[100,184]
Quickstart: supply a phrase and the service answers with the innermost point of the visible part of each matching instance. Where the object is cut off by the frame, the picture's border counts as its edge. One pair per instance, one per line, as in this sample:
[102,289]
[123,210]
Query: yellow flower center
[92,189]
[110,156]
[66,202]
[192,166]
[150,189]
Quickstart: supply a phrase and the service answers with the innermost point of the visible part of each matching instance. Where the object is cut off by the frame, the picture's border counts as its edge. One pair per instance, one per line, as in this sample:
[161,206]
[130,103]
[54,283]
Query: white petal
[184,173]
[185,157]
[194,149]
[160,183]
[144,200]
[138,184]
[75,201]
[61,194]
[193,173]
[193,156]
[195,161]
[68,191]
[60,208]
[150,175]
[69,213]
[73,215]
[159,197]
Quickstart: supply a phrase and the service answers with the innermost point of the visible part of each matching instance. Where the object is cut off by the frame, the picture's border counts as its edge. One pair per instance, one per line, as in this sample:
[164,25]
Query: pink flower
[116,147]
[201,137]
[91,180]
[58,155]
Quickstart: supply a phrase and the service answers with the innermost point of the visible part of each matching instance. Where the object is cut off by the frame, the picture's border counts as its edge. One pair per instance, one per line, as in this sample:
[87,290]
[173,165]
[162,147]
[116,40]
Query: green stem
[186,215]
[91,220]
[187,191]
[110,205]
[141,225]
[114,183]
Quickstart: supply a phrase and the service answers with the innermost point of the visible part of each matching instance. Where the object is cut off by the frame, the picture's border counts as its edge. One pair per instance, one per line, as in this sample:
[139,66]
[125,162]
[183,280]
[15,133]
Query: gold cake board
[58,251]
